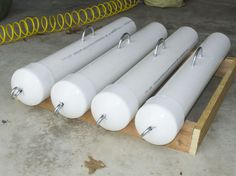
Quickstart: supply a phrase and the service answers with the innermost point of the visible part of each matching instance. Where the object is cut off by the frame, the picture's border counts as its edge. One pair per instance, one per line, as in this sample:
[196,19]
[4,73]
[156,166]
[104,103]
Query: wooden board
[227,70]
[192,133]
[182,141]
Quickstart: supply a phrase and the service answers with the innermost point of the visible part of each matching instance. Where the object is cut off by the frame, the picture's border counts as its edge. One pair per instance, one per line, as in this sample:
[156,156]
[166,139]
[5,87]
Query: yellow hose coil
[40,25]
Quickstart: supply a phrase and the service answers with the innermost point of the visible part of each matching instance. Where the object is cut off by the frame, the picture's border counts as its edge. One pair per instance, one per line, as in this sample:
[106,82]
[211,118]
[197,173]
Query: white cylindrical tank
[159,120]
[32,83]
[116,105]
[72,95]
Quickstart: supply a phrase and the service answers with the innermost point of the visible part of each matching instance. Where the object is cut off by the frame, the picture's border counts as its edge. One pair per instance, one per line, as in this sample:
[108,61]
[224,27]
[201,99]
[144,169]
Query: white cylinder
[32,83]
[77,90]
[118,103]
[164,113]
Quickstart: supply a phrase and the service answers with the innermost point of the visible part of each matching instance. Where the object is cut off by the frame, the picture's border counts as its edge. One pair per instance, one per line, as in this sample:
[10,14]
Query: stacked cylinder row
[121,74]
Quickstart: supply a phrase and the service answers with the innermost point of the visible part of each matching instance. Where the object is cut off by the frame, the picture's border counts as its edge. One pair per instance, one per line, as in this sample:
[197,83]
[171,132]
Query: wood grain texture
[182,141]
[225,66]
[191,135]
[227,70]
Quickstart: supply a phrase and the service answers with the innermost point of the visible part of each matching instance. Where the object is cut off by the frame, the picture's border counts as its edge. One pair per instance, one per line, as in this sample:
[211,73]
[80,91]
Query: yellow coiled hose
[40,25]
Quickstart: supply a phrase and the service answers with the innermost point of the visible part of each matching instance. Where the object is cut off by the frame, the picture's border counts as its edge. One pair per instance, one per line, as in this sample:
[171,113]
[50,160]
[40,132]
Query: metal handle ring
[15,92]
[86,29]
[58,108]
[160,42]
[197,55]
[103,117]
[123,38]
[148,130]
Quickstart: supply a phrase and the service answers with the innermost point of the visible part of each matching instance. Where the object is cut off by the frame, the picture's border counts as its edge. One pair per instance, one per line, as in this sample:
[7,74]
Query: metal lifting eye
[85,30]
[160,42]
[58,108]
[123,38]
[197,55]
[15,92]
[148,130]
[103,117]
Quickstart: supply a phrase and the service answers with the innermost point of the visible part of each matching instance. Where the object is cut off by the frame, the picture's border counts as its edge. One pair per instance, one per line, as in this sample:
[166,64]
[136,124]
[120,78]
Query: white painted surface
[36,79]
[77,90]
[120,101]
[167,110]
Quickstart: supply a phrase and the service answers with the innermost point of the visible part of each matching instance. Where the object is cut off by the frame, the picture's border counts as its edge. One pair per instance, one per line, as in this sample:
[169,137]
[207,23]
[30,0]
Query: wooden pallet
[192,134]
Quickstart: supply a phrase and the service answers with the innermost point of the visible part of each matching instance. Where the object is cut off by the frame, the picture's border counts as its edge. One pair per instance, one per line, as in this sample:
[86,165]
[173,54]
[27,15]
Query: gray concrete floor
[35,143]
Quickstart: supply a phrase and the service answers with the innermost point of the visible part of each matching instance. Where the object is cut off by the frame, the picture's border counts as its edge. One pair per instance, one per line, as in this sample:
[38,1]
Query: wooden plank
[192,133]
[213,105]
[182,141]
[224,67]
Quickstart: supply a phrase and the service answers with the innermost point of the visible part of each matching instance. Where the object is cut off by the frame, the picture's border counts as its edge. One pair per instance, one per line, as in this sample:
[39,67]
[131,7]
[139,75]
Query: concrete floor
[34,143]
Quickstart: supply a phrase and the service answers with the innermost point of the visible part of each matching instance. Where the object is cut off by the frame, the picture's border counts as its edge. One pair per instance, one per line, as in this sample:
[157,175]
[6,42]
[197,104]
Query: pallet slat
[227,70]
[182,141]
[192,133]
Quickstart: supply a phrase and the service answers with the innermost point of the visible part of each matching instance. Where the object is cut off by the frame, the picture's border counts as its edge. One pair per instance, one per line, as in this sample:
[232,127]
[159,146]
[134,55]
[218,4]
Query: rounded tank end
[35,83]
[162,122]
[117,105]
[113,108]
[74,99]
[165,118]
